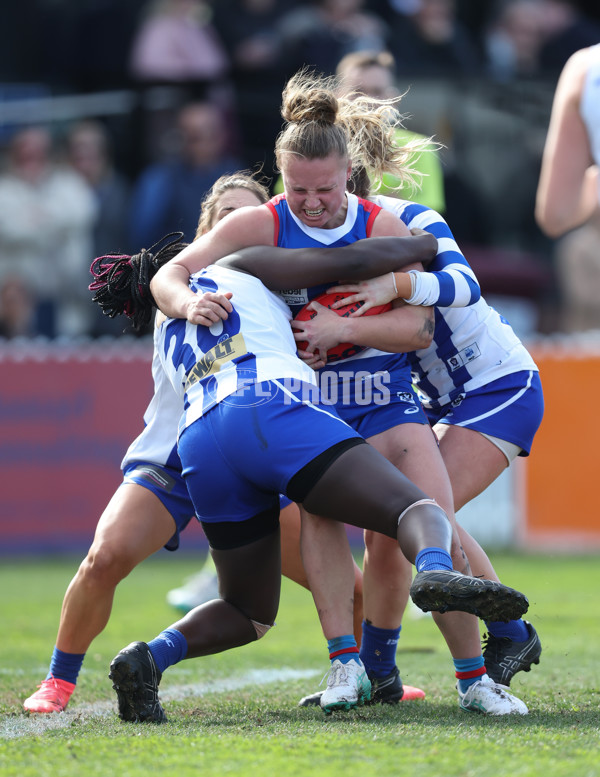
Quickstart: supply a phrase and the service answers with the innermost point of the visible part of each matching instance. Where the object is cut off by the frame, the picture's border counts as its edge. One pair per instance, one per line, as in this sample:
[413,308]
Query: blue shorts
[401,406]
[510,408]
[239,457]
[168,485]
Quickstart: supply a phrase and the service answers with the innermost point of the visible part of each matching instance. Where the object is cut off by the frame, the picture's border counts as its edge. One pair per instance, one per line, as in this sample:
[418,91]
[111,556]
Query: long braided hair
[122,283]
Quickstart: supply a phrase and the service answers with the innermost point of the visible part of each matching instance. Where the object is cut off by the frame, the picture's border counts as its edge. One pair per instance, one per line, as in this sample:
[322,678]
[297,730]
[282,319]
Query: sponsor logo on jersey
[457,401]
[227,349]
[294,296]
[466,355]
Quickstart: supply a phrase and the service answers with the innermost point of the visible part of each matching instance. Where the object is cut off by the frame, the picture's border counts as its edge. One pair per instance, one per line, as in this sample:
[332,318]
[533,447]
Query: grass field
[237,714]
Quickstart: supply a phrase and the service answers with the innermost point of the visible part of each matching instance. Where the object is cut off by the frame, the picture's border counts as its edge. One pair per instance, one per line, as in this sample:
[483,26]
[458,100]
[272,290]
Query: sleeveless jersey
[205,365]
[472,345]
[290,232]
[590,103]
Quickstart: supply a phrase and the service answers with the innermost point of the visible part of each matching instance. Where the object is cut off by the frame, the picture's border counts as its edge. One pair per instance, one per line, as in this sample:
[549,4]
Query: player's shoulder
[247,220]
[388,224]
[576,68]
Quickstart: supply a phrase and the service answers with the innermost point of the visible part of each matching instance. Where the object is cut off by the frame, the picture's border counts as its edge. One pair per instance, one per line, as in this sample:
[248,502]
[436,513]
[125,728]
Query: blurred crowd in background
[116,116]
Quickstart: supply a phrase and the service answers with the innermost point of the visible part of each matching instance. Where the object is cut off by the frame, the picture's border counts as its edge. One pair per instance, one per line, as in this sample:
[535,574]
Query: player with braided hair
[323,136]
[123,287]
[152,506]
[243,381]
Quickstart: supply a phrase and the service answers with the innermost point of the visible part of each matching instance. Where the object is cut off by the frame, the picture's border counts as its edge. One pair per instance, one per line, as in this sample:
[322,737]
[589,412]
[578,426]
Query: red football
[343,350]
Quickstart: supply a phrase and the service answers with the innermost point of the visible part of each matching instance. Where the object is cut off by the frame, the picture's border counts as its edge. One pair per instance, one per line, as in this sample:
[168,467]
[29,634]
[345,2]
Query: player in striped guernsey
[152,506]
[481,391]
[254,426]
[315,162]
[149,509]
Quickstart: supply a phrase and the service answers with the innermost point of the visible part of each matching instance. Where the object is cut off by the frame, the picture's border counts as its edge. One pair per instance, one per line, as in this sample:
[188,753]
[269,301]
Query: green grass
[258,729]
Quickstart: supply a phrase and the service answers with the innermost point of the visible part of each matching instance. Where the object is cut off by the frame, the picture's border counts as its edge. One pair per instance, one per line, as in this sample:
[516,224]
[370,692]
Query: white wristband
[394,282]
[413,281]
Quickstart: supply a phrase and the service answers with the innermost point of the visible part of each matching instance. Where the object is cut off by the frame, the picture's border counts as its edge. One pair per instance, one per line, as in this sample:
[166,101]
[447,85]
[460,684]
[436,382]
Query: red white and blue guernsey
[291,232]
[359,375]
[473,344]
[252,413]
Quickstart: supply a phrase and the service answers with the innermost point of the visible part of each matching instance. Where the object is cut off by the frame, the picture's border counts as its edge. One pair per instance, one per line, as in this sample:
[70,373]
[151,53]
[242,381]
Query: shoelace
[51,683]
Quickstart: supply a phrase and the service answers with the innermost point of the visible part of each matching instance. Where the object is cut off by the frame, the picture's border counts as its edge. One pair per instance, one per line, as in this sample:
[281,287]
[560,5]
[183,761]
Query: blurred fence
[67,415]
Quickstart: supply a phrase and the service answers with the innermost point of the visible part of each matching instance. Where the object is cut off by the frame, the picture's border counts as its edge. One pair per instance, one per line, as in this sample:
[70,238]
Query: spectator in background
[17,309]
[374,74]
[514,40]
[168,194]
[175,47]
[567,29]
[427,39]
[89,153]
[249,29]
[47,214]
[320,35]
[177,43]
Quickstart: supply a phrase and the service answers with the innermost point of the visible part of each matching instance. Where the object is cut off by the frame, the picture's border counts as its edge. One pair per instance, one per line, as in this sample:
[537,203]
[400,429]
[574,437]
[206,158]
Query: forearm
[281,268]
[400,330]
[557,214]
[171,291]
[455,287]
[449,280]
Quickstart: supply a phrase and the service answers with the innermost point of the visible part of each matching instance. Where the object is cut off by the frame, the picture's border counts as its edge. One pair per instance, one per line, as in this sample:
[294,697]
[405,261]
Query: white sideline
[35,725]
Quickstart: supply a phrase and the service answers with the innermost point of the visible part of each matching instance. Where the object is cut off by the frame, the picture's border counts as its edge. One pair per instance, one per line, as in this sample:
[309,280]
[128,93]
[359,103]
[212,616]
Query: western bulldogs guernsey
[472,345]
[205,365]
[290,232]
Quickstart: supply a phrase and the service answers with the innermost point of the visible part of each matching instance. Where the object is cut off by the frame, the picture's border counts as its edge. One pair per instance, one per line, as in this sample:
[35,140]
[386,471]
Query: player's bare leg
[134,525]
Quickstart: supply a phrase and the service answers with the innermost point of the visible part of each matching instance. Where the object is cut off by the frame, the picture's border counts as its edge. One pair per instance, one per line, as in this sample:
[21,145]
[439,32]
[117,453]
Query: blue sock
[343,648]
[515,630]
[468,671]
[430,559]
[65,666]
[378,649]
[168,648]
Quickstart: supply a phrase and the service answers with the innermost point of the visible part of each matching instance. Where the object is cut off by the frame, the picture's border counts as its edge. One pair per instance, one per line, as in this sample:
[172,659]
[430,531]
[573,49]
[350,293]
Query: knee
[382,550]
[105,565]
[388,563]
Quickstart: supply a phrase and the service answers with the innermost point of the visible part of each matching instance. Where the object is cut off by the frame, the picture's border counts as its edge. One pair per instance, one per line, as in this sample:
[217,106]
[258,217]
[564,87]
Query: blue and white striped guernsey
[205,365]
[472,345]
[157,444]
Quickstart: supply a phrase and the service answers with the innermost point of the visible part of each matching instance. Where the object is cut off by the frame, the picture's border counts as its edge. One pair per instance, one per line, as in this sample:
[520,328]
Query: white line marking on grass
[36,725]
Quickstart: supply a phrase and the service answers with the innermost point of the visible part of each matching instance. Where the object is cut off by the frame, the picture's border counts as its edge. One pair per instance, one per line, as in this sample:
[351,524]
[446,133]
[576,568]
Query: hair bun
[308,99]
